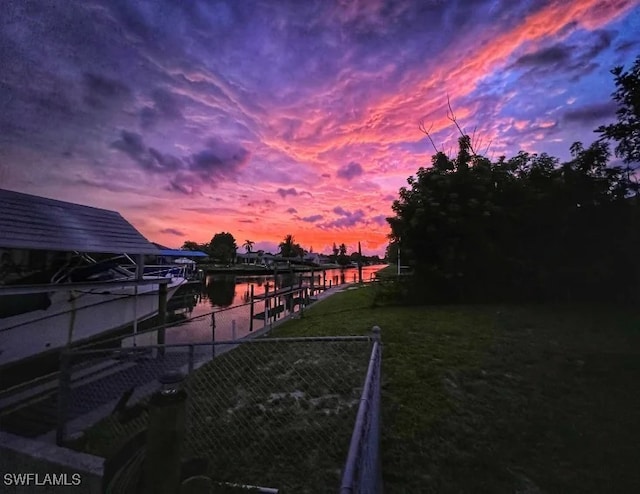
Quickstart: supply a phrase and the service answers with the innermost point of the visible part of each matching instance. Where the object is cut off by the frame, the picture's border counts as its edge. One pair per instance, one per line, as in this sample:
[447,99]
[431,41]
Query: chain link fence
[271,412]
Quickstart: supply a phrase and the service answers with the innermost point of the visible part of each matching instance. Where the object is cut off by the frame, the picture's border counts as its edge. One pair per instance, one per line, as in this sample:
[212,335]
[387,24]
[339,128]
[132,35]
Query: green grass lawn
[476,399]
[500,399]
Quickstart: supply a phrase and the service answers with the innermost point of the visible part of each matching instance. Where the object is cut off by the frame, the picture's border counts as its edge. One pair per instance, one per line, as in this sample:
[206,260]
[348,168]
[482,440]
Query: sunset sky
[272,117]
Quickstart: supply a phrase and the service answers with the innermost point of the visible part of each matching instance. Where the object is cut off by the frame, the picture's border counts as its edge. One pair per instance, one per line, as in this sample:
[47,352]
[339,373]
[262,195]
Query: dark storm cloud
[101,91]
[165,107]
[220,159]
[564,58]
[165,162]
[592,114]
[131,144]
[625,46]
[350,171]
[547,56]
[292,210]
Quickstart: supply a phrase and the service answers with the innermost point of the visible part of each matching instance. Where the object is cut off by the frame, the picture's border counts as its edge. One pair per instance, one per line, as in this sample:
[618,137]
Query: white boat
[52,292]
[51,320]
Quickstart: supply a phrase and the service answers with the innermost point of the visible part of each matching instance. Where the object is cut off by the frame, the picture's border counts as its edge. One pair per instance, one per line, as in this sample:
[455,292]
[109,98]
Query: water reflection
[220,290]
[225,290]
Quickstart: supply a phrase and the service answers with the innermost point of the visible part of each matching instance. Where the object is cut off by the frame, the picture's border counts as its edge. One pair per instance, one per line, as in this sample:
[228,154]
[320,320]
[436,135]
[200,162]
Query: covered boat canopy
[38,223]
[189,254]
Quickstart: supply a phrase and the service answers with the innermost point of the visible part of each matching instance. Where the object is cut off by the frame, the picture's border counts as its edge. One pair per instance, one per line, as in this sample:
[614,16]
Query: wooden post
[312,282]
[251,311]
[324,279]
[162,316]
[359,263]
[233,329]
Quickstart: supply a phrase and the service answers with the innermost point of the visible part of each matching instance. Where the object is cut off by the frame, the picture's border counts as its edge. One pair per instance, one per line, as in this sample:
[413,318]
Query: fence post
[251,312]
[64,395]
[376,405]
[266,304]
[161,468]
[233,329]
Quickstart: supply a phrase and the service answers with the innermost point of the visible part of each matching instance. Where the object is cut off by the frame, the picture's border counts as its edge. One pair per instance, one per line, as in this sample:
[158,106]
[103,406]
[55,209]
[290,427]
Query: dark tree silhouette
[626,131]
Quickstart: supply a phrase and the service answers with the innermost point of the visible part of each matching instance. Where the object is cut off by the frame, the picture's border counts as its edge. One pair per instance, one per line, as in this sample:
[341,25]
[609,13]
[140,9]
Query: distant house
[312,257]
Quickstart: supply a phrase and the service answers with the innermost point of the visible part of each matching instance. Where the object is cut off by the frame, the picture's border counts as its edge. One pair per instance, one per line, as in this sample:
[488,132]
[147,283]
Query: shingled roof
[33,222]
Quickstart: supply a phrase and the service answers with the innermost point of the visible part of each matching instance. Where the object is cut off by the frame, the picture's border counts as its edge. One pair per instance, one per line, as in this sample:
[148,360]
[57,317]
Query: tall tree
[289,247]
[343,260]
[190,245]
[335,251]
[626,131]
[223,247]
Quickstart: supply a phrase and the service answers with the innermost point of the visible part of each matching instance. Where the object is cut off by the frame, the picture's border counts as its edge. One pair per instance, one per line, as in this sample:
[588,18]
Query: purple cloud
[173,231]
[312,218]
[287,192]
[347,218]
[350,171]
[594,113]
[292,210]
[381,220]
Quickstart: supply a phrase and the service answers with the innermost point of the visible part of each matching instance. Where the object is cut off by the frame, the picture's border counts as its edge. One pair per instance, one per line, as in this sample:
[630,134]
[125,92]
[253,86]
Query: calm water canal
[223,293]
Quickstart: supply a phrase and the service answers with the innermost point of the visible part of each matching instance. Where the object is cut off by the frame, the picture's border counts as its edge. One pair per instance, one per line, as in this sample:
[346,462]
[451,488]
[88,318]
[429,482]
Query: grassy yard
[476,399]
[500,399]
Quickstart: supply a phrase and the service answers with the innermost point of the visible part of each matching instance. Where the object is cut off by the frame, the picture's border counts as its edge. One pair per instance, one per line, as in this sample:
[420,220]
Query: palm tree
[287,246]
[248,244]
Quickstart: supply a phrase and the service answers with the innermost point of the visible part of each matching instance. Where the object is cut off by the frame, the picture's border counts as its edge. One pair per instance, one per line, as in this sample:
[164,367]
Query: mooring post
[312,282]
[233,329]
[162,316]
[165,434]
[324,279]
[251,311]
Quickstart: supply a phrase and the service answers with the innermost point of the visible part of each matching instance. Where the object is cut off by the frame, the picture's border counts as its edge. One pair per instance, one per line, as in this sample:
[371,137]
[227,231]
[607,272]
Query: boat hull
[67,321]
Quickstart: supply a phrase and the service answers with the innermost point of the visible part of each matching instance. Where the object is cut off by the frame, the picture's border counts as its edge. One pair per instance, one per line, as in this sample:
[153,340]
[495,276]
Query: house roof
[33,222]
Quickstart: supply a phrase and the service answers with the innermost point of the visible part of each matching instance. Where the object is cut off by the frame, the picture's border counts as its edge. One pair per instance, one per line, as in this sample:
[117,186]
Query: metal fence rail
[362,472]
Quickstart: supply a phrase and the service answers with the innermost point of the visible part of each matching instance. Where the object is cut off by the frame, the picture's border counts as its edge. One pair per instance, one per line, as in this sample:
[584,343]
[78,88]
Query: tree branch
[451,116]
[424,130]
